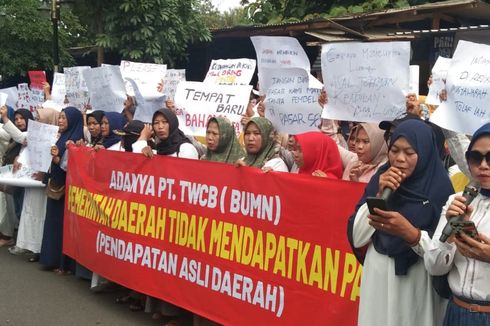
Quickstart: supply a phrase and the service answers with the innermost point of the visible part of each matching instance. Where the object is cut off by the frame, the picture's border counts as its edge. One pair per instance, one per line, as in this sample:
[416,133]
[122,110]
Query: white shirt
[469,278]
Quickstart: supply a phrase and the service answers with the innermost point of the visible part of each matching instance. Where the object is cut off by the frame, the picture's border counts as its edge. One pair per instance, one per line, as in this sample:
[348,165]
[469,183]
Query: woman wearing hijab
[94,123]
[170,140]
[222,143]
[261,146]
[466,255]
[71,129]
[110,122]
[14,201]
[31,225]
[371,152]
[316,154]
[395,286]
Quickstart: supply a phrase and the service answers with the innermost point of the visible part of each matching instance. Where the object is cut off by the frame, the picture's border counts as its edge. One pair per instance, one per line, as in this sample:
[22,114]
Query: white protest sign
[58,91]
[145,107]
[25,97]
[291,105]
[76,87]
[3,99]
[279,52]
[365,81]
[198,102]
[413,80]
[468,87]
[172,78]
[13,96]
[37,98]
[439,75]
[40,138]
[106,88]
[145,75]
[230,71]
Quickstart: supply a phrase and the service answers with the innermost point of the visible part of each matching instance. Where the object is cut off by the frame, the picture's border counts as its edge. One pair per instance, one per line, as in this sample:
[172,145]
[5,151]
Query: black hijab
[97,115]
[175,138]
[13,148]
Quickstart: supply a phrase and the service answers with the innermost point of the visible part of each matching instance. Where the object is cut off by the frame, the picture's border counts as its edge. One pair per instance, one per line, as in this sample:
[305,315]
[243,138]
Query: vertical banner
[366,81]
[291,105]
[230,72]
[198,102]
[76,87]
[37,78]
[106,88]
[439,75]
[246,248]
[172,78]
[468,86]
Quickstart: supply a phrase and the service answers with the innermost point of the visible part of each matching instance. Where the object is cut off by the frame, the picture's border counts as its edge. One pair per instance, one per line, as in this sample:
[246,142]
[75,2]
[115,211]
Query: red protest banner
[235,245]
[37,78]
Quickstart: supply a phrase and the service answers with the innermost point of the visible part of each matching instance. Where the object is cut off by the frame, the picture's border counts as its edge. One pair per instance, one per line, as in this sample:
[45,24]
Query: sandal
[124,299]
[34,258]
[136,306]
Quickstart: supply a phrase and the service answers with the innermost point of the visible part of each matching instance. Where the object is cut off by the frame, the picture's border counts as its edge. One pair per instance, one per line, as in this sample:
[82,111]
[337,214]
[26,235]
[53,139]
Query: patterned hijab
[268,150]
[228,150]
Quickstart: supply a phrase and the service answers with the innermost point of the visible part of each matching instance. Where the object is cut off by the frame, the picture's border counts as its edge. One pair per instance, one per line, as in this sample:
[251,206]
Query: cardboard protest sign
[40,138]
[172,78]
[366,81]
[76,87]
[145,75]
[439,75]
[291,105]
[106,88]
[230,71]
[468,88]
[37,78]
[146,106]
[413,80]
[12,96]
[58,90]
[197,102]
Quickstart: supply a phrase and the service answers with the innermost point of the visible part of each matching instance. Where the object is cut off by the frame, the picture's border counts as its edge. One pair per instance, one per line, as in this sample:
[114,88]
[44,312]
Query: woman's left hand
[394,223]
[319,173]
[471,248]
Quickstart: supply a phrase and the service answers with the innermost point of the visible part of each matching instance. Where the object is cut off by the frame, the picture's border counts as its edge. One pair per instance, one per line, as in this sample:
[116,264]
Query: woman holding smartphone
[395,287]
[466,259]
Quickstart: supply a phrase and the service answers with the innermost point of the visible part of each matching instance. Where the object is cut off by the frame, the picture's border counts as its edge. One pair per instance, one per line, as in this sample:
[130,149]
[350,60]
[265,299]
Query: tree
[213,19]
[283,11]
[26,38]
[147,30]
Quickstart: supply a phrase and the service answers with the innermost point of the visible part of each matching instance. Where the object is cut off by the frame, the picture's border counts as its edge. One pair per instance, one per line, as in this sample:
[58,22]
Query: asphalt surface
[30,296]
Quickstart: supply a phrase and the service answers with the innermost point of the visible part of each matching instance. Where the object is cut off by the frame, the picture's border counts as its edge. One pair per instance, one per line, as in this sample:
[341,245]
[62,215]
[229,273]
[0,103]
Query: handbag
[54,191]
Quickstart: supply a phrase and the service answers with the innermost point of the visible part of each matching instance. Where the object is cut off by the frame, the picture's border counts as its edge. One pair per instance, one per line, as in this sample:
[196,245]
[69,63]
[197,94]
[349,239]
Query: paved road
[31,297]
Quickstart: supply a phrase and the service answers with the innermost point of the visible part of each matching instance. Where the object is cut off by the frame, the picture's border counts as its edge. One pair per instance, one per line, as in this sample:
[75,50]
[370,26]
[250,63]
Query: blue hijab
[419,198]
[116,121]
[73,132]
[480,132]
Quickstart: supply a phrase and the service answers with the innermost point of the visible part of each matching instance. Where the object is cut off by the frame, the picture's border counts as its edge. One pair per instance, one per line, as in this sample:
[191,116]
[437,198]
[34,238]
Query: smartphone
[468,227]
[375,202]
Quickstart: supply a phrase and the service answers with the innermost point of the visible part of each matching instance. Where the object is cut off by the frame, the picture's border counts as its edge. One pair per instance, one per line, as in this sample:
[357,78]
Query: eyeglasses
[475,157]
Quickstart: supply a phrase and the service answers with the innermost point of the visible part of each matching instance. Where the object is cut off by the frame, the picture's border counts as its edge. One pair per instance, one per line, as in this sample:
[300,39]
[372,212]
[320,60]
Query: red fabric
[320,152]
[106,230]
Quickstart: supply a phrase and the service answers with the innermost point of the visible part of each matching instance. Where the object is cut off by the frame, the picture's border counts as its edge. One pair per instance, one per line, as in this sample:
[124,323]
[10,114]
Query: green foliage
[283,11]
[213,19]
[26,38]
[147,30]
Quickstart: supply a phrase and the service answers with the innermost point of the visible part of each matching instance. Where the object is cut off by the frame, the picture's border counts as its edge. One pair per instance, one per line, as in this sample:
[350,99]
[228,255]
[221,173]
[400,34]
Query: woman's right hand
[146,132]
[458,207]
[147,151]
[391,178]
[4,113]
[323,98]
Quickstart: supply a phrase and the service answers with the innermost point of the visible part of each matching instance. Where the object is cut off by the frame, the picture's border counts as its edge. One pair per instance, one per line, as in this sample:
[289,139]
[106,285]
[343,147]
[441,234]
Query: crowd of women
[399,246]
